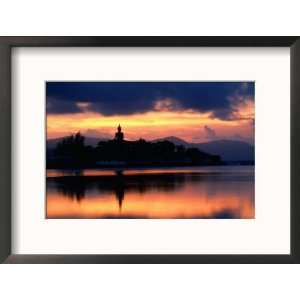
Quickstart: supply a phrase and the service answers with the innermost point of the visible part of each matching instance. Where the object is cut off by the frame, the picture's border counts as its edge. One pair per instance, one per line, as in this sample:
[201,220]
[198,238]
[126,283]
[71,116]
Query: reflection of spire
[119,172]
[119,192]
[119,188]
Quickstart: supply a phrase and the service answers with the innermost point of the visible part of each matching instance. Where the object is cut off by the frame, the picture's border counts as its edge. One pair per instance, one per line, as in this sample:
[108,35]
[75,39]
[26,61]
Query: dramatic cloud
[60,106]
[209,133]
[221,99]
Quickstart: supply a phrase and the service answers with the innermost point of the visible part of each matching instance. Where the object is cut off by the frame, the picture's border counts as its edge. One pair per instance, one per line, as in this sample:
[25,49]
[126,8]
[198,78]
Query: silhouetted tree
[72,150]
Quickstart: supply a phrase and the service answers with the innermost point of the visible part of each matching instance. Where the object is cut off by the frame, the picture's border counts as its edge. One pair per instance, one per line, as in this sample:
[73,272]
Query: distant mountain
[173,139]
[229,150]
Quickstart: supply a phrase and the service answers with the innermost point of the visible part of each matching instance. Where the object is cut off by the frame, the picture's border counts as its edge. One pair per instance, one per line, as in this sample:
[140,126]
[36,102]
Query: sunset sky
[193,111]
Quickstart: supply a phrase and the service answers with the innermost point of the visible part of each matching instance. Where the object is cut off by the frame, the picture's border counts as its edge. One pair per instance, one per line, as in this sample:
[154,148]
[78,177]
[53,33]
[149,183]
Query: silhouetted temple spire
[119,136]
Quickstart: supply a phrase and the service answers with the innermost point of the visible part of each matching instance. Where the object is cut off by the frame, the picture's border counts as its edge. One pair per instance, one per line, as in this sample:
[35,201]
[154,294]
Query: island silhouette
[72,152]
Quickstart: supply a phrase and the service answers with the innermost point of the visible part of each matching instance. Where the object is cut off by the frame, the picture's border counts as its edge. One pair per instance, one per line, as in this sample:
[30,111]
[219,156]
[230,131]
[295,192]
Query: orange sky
[186,124]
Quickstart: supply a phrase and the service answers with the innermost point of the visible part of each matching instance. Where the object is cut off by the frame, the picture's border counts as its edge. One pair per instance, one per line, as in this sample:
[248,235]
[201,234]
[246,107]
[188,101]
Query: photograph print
[150,150]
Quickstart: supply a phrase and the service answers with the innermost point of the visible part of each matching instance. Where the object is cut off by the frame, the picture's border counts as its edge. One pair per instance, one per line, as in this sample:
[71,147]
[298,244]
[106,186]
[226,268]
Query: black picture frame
[8,43]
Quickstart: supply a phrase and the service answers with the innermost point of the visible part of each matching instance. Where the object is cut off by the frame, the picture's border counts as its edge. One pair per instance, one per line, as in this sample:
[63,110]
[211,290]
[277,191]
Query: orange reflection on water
[141,171]
[211,196]
[138,206]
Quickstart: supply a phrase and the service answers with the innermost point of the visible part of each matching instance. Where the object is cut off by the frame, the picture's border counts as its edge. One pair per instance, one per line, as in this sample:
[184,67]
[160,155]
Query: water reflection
[156,194]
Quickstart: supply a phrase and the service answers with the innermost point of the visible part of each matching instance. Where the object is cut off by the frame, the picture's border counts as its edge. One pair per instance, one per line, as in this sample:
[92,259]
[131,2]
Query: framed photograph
[149,149]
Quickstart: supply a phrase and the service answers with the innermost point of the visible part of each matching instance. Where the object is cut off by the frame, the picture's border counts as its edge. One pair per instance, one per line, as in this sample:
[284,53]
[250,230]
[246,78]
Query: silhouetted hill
[177,141]
[229,150]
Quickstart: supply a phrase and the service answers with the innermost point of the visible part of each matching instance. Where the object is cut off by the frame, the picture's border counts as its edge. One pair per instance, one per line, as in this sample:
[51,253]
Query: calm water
[192,192]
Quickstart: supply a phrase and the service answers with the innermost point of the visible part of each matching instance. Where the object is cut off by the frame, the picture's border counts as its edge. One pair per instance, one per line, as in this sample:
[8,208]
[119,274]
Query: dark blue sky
[125,98]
